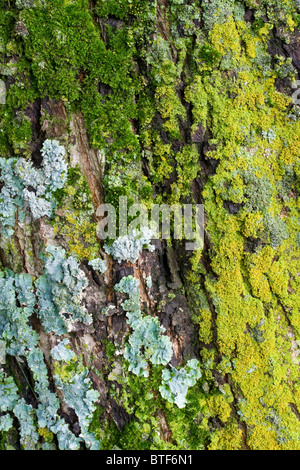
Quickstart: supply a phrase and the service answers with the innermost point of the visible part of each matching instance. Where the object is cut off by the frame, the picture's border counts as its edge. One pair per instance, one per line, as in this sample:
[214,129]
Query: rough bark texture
[166,101]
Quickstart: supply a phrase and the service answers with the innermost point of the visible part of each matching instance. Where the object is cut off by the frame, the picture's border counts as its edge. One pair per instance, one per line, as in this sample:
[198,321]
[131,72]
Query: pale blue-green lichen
[17,304]
[147,342]
[61,352]
[98,264]
[26,186]
[6,422]
[129,247]
[26,416]
[11,197]
[59,292]
[175,383]
[80,395]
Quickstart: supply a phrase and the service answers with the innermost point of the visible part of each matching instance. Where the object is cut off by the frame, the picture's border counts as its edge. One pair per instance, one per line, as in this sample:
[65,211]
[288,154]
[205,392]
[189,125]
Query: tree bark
[148,103]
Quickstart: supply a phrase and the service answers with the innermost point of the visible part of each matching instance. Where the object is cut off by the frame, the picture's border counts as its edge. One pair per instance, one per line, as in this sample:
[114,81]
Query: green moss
[145,87]
[110,350]
[76,220]
[66,370]
[8,440]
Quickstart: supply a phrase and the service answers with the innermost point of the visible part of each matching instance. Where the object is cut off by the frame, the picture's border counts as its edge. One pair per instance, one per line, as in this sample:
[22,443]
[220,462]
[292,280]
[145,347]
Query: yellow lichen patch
[225,38]
[196,94]
[278,279]
[252,224]
[66,370]
[219,407]
[205,332]
[46,434]
[75,223]
[228,438]
[263,438]
[259,264]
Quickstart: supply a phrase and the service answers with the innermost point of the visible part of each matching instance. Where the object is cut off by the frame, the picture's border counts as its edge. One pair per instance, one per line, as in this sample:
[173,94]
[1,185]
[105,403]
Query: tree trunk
[165,102]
